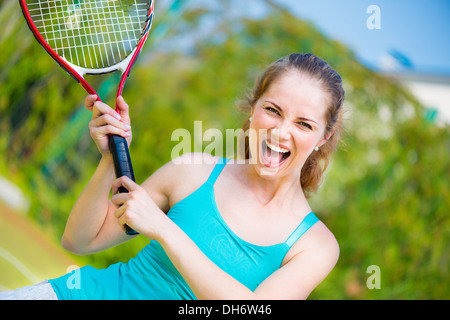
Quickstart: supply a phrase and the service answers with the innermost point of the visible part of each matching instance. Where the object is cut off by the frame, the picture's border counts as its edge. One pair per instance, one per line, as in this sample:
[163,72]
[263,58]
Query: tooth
[276,148]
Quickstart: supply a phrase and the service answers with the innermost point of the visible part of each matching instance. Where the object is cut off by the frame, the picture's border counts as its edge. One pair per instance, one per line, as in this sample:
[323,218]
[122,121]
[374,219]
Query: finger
[120,212]
[122,215]
[116,185]
[125,182]
[123,109]
[122,221]
[90,100]
[119,199]
[99,132]
[107,119]
[101,108]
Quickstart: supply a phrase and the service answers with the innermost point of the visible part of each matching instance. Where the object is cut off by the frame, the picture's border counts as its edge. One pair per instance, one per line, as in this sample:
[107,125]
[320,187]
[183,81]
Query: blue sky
[418,29]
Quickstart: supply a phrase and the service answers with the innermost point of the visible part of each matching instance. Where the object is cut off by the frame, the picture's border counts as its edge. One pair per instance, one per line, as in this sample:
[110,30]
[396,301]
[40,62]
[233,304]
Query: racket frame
[77,72]
[118,144]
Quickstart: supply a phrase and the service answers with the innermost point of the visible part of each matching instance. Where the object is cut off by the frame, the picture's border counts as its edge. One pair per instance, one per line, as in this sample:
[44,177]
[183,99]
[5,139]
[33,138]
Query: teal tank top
[151,274]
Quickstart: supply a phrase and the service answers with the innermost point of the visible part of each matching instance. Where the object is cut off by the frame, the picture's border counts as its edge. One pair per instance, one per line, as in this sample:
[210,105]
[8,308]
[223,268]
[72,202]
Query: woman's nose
[281,132]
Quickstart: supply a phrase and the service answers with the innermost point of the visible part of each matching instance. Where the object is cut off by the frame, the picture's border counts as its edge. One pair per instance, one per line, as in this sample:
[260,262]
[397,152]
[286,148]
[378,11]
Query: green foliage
[384,196]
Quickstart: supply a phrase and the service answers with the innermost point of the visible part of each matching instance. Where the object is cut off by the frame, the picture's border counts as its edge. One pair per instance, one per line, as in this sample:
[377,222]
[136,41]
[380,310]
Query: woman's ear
[327,137]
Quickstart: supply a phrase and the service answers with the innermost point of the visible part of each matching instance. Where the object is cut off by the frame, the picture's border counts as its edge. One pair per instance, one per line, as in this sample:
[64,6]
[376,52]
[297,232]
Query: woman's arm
[295,280]
[206,280]
[91,226]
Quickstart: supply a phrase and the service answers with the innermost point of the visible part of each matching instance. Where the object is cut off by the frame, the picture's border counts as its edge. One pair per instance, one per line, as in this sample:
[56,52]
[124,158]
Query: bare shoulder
[307,264]
[190,168]
[320,245]
[180,177]
[325,243]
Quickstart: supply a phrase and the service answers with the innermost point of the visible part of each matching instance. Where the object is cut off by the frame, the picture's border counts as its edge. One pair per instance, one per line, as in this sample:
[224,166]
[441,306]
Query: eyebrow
[279,108]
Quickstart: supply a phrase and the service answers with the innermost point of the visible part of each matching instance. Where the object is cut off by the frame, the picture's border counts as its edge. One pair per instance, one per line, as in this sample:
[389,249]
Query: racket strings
[92,34]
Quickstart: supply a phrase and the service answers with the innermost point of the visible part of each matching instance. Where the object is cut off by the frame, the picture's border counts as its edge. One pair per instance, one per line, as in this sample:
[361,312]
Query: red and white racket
[90,37]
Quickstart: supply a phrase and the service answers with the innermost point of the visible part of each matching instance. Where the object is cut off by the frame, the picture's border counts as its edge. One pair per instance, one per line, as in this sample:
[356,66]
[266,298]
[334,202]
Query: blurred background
[385,195]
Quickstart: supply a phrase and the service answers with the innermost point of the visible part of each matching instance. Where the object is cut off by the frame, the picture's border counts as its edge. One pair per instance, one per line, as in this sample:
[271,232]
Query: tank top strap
[217,170]
[304,226]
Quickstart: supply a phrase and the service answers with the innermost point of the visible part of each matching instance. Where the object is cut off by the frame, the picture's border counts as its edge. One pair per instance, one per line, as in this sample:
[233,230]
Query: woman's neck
[270,191]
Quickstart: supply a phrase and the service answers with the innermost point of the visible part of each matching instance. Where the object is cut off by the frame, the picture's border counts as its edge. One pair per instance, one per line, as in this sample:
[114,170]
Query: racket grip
[122,164]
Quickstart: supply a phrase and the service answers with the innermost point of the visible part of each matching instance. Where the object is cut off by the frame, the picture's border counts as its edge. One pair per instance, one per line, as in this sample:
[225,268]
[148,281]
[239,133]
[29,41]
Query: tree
[383,196]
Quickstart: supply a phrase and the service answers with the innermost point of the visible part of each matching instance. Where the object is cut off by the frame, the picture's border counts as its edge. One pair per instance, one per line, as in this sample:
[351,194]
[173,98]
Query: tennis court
[27,254]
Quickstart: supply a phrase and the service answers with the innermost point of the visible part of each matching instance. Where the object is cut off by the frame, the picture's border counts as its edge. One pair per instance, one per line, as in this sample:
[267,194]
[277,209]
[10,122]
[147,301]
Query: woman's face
[288,123]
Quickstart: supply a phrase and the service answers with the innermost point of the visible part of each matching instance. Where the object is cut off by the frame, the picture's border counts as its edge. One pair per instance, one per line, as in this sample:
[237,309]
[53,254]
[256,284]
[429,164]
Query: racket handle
[122,164]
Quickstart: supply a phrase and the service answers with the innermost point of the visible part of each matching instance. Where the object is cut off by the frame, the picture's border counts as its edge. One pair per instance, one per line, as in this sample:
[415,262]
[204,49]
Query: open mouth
[272,155]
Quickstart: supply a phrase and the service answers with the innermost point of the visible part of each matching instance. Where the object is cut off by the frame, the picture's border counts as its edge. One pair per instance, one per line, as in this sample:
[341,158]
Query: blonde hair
[311,65]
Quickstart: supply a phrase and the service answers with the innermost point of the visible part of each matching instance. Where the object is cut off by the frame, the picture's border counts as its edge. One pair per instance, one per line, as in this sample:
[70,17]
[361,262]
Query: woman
[222,230]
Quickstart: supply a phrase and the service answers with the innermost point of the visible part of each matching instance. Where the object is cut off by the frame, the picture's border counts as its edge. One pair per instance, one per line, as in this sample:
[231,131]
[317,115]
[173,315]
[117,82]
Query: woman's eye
[304,124]
[273,110]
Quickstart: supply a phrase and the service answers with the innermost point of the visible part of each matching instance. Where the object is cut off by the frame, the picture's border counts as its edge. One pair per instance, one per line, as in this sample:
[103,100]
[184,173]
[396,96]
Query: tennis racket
[91,37]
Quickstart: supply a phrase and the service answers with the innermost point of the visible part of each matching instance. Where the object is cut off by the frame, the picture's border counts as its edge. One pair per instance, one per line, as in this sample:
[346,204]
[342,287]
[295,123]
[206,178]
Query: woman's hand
[106,121]
[137,209]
